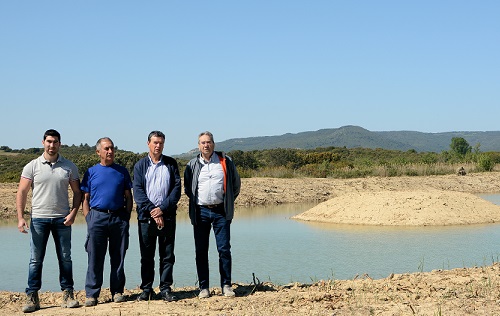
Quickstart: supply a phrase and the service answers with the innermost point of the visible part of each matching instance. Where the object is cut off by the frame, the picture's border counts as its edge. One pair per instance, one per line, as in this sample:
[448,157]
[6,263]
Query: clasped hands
[156,214]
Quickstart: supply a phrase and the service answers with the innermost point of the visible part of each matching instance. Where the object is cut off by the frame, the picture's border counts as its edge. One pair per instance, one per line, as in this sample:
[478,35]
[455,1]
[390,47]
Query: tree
[460,146]
[244,159]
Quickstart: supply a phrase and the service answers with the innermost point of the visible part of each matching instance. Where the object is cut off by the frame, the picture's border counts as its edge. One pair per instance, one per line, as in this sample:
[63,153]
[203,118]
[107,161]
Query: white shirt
[211,181]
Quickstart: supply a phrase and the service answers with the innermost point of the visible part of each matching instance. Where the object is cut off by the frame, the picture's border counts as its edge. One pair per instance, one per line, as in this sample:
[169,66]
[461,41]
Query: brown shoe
[32,302]
[69,299]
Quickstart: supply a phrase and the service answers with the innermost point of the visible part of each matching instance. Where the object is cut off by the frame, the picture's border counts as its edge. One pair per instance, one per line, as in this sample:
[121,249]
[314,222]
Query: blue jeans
[213,218]
[40,229]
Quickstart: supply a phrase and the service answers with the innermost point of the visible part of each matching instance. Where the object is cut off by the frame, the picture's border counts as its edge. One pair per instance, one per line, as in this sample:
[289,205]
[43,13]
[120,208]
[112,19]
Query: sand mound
[404,208]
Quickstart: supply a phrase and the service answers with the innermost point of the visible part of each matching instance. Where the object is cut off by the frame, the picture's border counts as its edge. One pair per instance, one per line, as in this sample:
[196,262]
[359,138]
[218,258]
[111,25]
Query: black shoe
[168,297]
[146,296]
[90,301]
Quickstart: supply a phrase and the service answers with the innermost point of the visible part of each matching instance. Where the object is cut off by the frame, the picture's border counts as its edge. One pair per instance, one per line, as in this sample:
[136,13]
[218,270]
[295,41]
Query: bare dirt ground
[467,291]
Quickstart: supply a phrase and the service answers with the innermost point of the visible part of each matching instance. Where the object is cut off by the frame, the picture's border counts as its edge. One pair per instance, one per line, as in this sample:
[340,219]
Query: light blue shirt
[211,181]
[157,182]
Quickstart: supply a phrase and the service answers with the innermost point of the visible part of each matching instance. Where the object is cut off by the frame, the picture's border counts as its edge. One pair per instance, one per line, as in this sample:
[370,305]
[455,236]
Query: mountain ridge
[351,136]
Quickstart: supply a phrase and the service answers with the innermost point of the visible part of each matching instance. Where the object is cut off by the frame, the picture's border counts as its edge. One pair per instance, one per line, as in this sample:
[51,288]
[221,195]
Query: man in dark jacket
[212,183]
[157,189]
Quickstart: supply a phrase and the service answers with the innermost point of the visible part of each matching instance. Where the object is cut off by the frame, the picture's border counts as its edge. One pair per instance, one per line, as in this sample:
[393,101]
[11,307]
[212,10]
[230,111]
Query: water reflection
[265,241]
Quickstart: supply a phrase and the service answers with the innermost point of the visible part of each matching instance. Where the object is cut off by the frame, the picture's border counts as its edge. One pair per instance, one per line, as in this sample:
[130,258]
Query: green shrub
[484,163]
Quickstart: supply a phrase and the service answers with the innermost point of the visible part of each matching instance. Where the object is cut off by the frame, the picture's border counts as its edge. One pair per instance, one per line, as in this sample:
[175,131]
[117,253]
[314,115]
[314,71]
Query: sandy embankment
[404,208]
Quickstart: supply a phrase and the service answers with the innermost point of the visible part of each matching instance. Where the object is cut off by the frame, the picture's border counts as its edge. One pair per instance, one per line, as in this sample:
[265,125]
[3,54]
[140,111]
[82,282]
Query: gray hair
[100,140]
[207,133]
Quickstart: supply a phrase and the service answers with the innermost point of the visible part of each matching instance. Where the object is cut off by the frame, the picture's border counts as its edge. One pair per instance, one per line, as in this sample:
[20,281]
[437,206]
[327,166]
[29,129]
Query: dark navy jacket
[144,205]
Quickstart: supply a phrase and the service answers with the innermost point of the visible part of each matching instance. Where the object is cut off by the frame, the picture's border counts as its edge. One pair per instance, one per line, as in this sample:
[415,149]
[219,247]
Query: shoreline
[460,291]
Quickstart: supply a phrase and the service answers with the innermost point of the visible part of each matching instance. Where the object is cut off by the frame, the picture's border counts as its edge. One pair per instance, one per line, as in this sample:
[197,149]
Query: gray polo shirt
[49,184]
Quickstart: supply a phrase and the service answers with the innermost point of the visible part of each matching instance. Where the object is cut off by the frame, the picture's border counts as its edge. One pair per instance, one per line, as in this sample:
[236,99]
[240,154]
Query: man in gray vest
[49,176]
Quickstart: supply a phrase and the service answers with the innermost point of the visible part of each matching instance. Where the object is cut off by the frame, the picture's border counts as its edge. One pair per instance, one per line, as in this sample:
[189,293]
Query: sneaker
[119,298]
[167,296]
[69,299]
[90,301]
[204,293]
[146,296]
[227,291]
[32,302]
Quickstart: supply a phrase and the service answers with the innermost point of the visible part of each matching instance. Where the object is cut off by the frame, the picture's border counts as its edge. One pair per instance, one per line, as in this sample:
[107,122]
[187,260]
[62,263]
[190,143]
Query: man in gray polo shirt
[48,177]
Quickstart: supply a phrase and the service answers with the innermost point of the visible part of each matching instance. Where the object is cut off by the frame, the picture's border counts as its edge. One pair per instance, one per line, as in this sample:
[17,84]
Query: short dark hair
[53,133]
[156,134]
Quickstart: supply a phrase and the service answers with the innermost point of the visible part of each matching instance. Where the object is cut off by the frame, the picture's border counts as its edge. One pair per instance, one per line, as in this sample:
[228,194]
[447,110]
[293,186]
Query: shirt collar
[152,162]
[213,158]
[45,161]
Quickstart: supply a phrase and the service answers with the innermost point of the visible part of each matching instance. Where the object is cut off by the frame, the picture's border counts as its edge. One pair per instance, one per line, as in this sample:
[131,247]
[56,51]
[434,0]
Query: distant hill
[355,136]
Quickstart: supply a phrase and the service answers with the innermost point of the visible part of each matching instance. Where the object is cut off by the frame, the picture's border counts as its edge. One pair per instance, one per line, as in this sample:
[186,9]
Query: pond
[267,243]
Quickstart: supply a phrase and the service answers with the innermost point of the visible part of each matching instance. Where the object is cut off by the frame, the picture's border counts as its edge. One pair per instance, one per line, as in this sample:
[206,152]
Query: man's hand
[69,219]
[22,226]
[159,222]
[156,212]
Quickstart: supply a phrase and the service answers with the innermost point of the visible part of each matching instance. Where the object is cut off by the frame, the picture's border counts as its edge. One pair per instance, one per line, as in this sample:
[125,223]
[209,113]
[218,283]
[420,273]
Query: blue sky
[244,68]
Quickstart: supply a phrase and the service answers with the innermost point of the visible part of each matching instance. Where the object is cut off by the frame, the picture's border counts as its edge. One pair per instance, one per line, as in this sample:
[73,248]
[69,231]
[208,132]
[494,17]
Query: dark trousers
[104,228]
[149,234]
[213,218]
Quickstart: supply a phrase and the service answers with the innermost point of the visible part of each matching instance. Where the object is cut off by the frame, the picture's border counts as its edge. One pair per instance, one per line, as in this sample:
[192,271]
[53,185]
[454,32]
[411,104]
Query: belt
[107,211]
[213,205]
